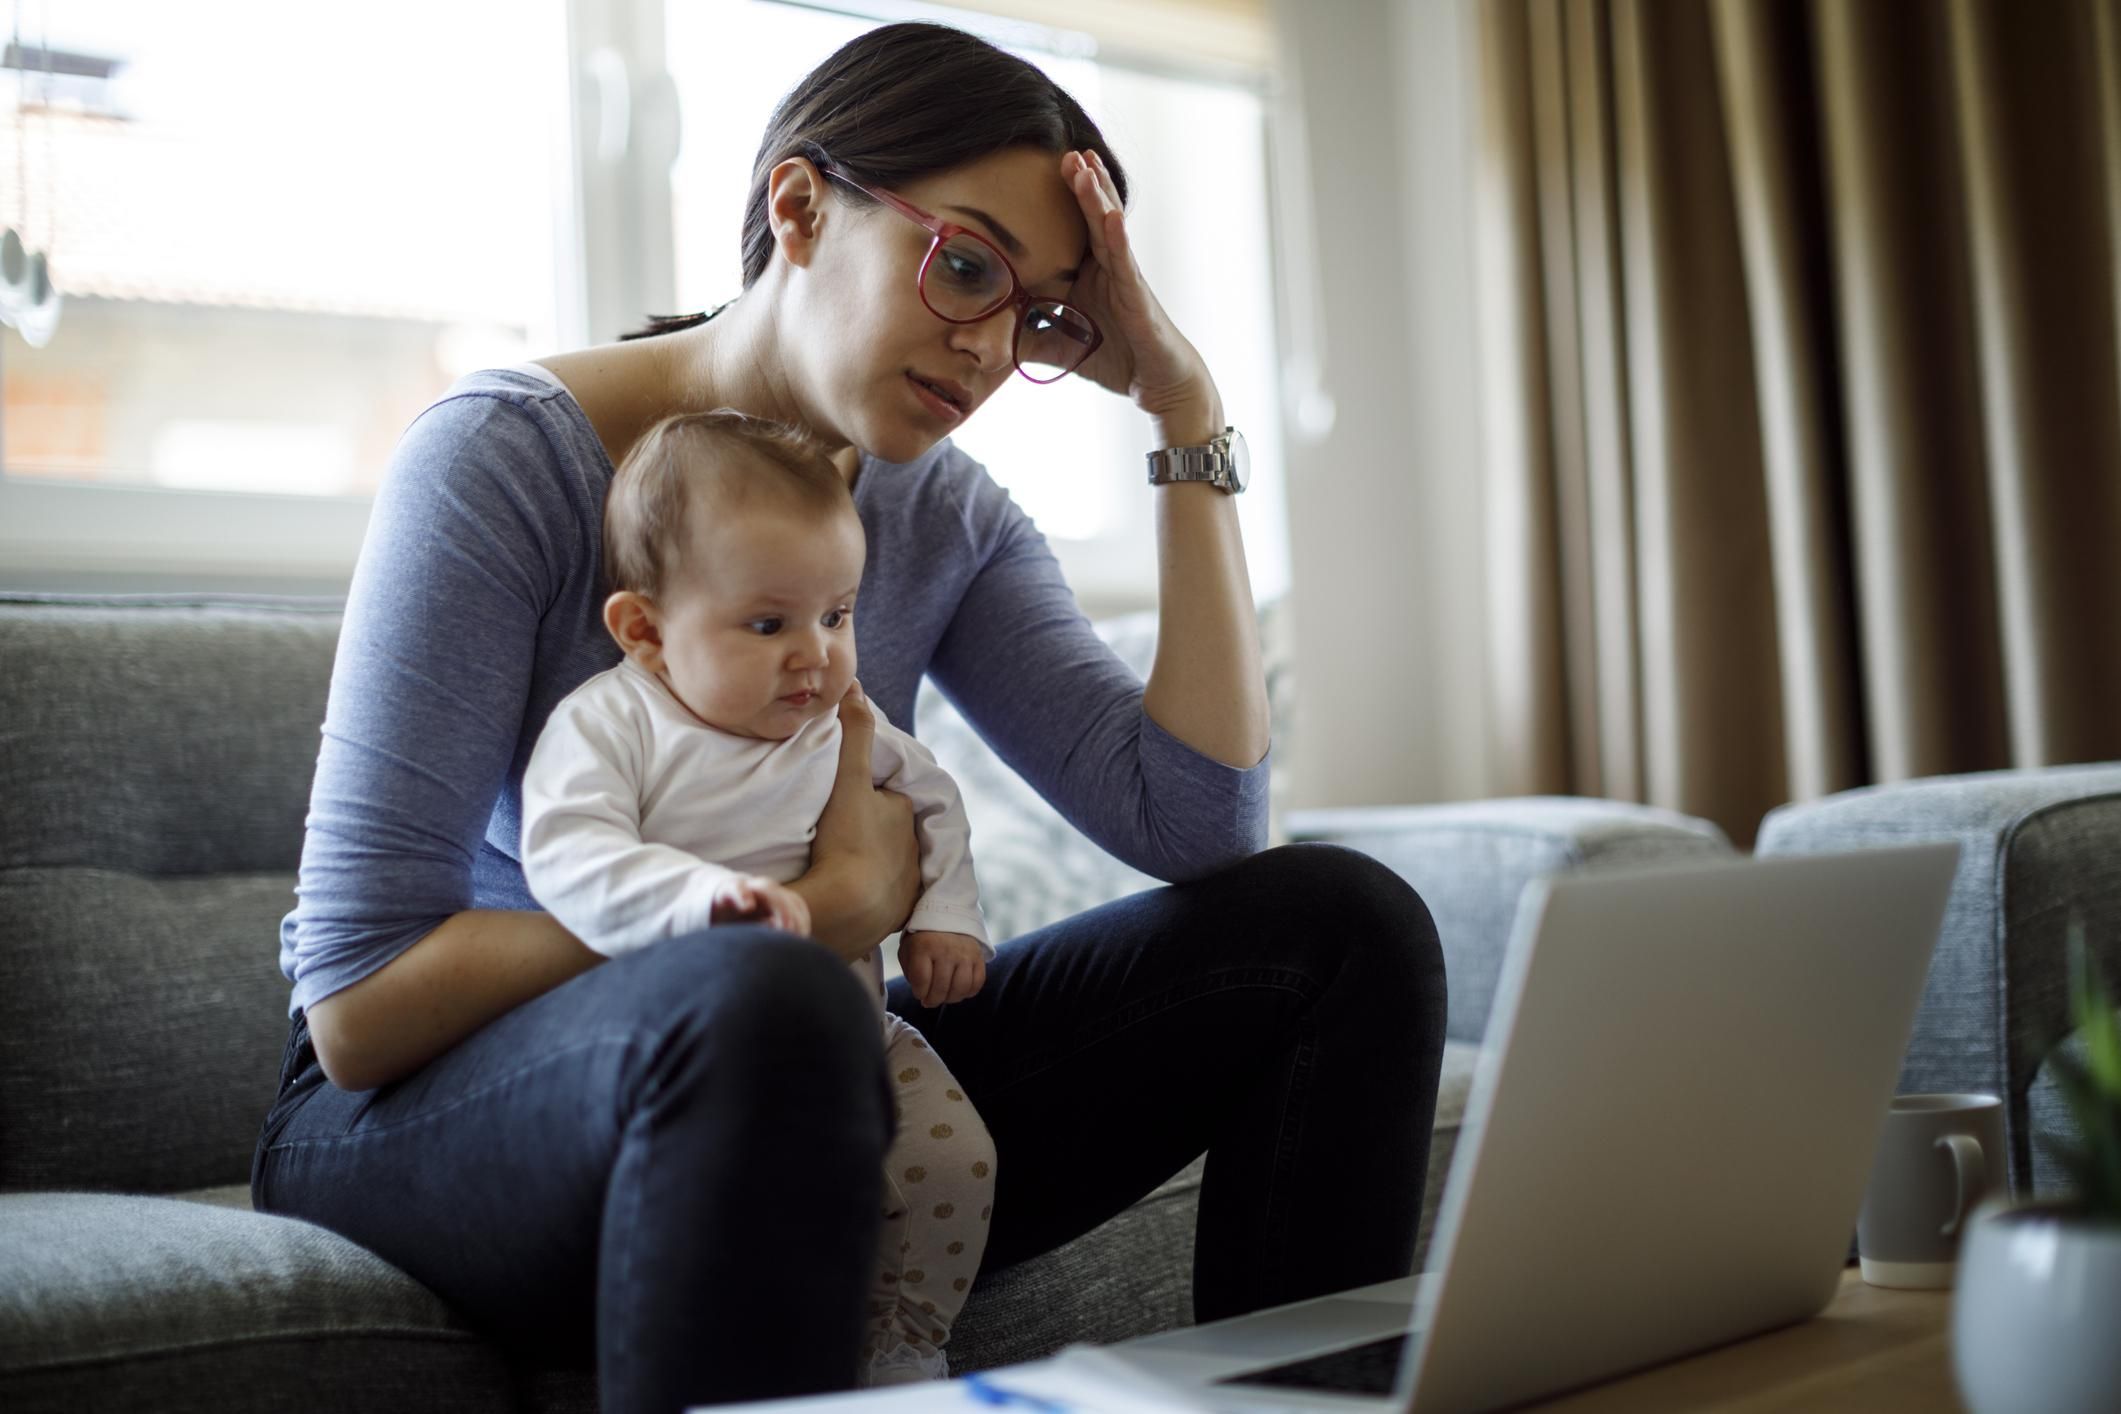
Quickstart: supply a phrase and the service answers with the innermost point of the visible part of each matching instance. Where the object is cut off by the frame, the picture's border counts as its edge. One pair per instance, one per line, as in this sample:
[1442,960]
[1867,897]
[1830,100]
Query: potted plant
[2036,1325]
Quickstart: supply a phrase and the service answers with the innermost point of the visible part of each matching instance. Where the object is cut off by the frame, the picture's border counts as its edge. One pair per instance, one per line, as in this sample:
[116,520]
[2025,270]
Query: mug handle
[1970,1167]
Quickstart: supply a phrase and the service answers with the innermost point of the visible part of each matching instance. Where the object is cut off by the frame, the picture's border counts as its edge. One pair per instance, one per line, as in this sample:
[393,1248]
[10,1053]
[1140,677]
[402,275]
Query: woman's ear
[630,618]
[796,196]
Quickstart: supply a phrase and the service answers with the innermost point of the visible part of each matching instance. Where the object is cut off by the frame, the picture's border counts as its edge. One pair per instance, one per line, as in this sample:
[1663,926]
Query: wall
[1374,124]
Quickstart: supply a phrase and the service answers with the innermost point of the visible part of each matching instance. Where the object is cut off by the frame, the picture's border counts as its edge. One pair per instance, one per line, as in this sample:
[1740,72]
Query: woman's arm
[1206,687]
[478,965]
[483,963]
[1060,707]
[476,531]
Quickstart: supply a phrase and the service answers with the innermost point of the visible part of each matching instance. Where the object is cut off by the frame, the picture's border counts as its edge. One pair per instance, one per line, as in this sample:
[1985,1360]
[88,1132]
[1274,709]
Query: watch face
[1240,460]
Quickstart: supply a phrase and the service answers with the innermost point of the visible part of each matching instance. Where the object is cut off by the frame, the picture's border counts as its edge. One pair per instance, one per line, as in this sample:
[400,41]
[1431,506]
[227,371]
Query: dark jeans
[675,1158]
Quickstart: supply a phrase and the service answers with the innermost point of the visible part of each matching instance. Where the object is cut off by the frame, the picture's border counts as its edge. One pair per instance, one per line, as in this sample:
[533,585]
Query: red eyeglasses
[965,279]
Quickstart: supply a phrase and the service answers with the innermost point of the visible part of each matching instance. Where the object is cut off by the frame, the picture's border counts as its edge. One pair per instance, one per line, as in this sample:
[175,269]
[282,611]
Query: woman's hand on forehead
[1144,356]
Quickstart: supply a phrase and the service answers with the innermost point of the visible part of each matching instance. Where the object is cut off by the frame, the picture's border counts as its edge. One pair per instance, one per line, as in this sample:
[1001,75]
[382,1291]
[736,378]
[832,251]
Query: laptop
[1666,1142]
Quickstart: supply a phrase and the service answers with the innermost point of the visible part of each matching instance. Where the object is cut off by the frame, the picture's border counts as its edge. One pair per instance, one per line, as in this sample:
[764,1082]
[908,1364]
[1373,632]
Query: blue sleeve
[472,531]
[1026,669]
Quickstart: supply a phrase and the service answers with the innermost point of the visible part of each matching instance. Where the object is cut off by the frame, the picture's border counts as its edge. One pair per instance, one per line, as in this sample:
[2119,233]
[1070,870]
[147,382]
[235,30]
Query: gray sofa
[155,756]
[2037,847]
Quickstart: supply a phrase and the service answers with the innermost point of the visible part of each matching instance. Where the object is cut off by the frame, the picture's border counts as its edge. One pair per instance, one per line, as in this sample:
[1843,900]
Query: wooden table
[1870,1350]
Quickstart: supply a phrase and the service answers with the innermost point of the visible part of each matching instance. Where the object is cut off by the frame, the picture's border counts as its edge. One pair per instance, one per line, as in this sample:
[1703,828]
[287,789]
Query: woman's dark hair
[900,103]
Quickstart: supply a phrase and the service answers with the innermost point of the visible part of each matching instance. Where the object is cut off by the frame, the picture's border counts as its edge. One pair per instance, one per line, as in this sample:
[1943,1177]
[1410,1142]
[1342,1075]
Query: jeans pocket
[258,1201]
[299,1076]
[298,1055]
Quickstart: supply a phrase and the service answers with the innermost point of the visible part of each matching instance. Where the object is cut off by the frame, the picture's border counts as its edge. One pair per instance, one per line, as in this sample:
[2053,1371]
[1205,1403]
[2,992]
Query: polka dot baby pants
[938,1199]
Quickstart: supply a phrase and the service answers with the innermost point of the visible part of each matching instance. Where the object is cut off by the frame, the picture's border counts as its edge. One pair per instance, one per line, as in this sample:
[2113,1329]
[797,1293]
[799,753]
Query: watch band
[1210,462]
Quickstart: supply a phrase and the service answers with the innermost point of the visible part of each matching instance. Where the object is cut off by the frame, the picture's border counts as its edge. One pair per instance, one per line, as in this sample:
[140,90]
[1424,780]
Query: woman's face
[879,369]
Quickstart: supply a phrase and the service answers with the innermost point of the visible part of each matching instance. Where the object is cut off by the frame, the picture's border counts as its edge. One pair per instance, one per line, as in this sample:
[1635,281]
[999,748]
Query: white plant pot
[2037,1314]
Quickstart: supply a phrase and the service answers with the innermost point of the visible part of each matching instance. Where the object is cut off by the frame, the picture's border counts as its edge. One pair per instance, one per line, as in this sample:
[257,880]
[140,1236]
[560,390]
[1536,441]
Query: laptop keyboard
[1360,1369]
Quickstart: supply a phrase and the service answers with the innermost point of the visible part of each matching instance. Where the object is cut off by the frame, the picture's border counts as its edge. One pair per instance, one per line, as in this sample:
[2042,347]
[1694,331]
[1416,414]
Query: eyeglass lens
[1051,341]
[966,280]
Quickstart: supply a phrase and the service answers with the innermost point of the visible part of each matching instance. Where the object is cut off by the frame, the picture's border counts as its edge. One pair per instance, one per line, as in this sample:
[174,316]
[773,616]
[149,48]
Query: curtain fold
[1802,365]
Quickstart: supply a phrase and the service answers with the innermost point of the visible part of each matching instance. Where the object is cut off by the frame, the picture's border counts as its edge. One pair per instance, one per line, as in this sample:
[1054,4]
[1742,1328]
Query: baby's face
[758,632]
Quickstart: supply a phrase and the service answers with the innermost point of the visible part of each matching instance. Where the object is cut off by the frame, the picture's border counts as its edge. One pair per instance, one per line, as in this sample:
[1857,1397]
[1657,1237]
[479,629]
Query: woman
[672,1159]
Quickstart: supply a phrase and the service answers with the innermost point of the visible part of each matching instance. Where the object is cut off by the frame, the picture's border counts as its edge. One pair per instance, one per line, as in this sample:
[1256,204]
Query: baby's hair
[719,458]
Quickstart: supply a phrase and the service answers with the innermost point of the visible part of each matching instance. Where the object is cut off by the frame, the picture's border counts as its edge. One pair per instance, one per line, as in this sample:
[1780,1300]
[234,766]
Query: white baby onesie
[634,810]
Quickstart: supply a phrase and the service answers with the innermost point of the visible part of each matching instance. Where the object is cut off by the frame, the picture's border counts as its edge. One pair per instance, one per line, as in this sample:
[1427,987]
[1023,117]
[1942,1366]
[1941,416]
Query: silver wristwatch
[1224,462]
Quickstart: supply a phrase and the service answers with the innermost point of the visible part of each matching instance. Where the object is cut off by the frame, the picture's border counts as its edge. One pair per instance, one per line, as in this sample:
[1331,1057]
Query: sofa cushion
[116,1302]
[1132,1276]
[1471,862]
[142,1019]
[163,736]
[2035,847]
[1453,1085]
[155,760]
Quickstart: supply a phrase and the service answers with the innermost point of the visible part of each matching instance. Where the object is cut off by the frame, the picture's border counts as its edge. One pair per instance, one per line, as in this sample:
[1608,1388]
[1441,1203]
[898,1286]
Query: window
[279,232]
[1071,454]
[277,237]
[274,248]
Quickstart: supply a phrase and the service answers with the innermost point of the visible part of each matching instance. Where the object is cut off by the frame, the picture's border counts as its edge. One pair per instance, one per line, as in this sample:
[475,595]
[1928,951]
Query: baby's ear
[630,619]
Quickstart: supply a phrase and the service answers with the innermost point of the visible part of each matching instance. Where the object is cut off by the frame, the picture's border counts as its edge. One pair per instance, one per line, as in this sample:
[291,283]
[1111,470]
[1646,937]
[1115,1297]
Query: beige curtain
[1802,365]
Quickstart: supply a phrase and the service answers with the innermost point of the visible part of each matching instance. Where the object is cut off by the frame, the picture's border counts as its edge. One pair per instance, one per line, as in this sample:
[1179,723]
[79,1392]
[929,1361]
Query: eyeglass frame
[1018,297]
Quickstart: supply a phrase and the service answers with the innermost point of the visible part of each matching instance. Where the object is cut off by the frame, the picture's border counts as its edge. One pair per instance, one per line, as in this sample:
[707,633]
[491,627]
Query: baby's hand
[942,967]
[748,898]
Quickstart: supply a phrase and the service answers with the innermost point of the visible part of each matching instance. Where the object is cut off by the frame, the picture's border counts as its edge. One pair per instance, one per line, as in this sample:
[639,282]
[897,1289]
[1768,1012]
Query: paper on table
[1096,1381]
[906,1398]
[1081,1378]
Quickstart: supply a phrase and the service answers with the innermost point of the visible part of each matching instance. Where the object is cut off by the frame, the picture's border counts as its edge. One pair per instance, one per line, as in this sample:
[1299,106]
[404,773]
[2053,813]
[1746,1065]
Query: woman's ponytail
[671,323]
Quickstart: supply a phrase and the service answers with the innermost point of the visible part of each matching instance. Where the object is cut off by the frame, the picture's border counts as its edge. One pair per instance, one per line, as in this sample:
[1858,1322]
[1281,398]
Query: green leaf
[2082,1096]
[2090,1083]
[2094,1011]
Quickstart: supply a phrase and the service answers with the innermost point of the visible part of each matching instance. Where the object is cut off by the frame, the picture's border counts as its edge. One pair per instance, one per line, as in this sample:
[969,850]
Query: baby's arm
[949,901]
[583,855]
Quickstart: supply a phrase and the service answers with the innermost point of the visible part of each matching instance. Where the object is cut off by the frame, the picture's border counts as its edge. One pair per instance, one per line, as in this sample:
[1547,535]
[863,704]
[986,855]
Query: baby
[681,789]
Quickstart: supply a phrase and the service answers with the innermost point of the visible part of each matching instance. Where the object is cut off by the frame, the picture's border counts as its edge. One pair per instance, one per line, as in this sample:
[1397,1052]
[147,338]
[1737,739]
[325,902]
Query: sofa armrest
[1471,862]
[2035,846]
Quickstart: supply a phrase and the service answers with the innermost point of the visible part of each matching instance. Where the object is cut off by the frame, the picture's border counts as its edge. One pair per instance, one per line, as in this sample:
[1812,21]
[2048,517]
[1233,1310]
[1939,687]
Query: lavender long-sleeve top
[477,605]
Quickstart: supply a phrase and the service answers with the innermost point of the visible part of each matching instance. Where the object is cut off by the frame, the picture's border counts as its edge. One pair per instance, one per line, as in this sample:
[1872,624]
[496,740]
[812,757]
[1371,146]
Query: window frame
[623,128]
